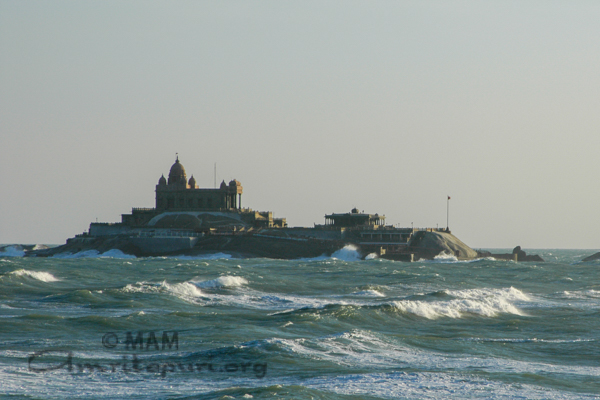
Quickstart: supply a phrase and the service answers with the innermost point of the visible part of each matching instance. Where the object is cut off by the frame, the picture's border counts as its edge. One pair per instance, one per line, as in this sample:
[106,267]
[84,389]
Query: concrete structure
[181,204]
[179,194]
[354,219]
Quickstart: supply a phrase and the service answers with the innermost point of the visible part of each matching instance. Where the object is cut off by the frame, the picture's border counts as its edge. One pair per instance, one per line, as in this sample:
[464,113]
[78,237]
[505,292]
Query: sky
[314,106]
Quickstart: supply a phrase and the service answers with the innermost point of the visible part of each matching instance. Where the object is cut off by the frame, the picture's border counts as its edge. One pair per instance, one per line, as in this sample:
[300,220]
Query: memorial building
[179,194]
[180,201]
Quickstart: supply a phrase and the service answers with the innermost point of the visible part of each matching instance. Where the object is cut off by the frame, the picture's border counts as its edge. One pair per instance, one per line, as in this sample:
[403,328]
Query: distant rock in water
[522,256]
[593,257]
[517,254]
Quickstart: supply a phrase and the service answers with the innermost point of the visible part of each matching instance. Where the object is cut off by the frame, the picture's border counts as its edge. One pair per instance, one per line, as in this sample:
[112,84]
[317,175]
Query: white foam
[12,251]
[39,275]
[369,293]
[445,257]
[428,385]
[371,256]
[509,293]
[486,302]
[347,253]
[113,253]
[582,294]
[184,290]
[481,259]
[222,281]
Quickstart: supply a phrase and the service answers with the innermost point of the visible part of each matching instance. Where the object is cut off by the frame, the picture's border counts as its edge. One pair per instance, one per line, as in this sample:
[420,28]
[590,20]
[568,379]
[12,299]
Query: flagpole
[448,214]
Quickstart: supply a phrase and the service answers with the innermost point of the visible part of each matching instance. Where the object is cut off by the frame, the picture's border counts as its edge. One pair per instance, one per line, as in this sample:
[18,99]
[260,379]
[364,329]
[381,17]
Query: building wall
[195,199]
[104,229]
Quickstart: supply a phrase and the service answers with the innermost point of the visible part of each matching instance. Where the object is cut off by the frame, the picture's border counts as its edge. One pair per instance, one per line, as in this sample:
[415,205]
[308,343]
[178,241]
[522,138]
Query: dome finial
[177,173]
[176,157]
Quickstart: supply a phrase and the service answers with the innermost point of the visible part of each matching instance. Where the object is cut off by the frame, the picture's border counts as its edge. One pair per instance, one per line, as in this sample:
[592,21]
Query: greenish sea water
[325,328]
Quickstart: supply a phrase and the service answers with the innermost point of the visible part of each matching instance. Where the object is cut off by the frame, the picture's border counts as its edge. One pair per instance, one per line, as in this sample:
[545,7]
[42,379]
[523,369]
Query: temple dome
[177,173]
[192,182]
[162,180]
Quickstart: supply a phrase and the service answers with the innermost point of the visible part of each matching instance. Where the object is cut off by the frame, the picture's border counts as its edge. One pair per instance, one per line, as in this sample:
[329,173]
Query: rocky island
[188,220]
[593,257]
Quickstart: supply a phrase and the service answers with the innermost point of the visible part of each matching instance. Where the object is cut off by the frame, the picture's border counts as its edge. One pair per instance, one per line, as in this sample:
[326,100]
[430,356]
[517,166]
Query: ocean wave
[366,349]
[12,251]
[445,257]
[442,303]
[528,340]
[428,385]
[509,293]
[184,290]
[113,253]
[38,275]
[319,258]
[352,348]
[212,256]
[581,294]
[369,293]
[347,253]
[486,302]
[222,281]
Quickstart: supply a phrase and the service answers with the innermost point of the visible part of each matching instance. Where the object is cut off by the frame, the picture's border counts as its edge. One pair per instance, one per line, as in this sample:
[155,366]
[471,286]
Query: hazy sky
[315,106]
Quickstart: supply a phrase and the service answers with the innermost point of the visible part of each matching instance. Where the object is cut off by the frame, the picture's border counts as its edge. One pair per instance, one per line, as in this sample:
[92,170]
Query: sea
[112,326]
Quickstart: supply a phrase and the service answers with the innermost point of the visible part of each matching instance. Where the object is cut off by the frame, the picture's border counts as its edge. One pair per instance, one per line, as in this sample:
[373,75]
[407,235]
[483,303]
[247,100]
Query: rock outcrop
[241,245]
[427,245]
[278,243]
[517,254]
[593,257]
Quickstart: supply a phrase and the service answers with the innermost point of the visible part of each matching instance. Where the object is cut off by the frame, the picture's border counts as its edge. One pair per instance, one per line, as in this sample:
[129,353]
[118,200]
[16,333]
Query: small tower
[192,182]
[177,174]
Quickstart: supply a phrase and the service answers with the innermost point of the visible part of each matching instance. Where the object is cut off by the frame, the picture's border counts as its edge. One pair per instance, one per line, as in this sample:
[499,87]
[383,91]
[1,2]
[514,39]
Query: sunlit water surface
[334,328]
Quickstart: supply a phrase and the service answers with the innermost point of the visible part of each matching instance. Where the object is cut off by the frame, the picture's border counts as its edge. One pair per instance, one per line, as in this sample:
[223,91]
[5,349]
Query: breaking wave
[445,257]
[113,253]
[12,251]
[369,293]
[184,290]
[347,253]
[581,294]
[38,275]
[486,302]
[222,281]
